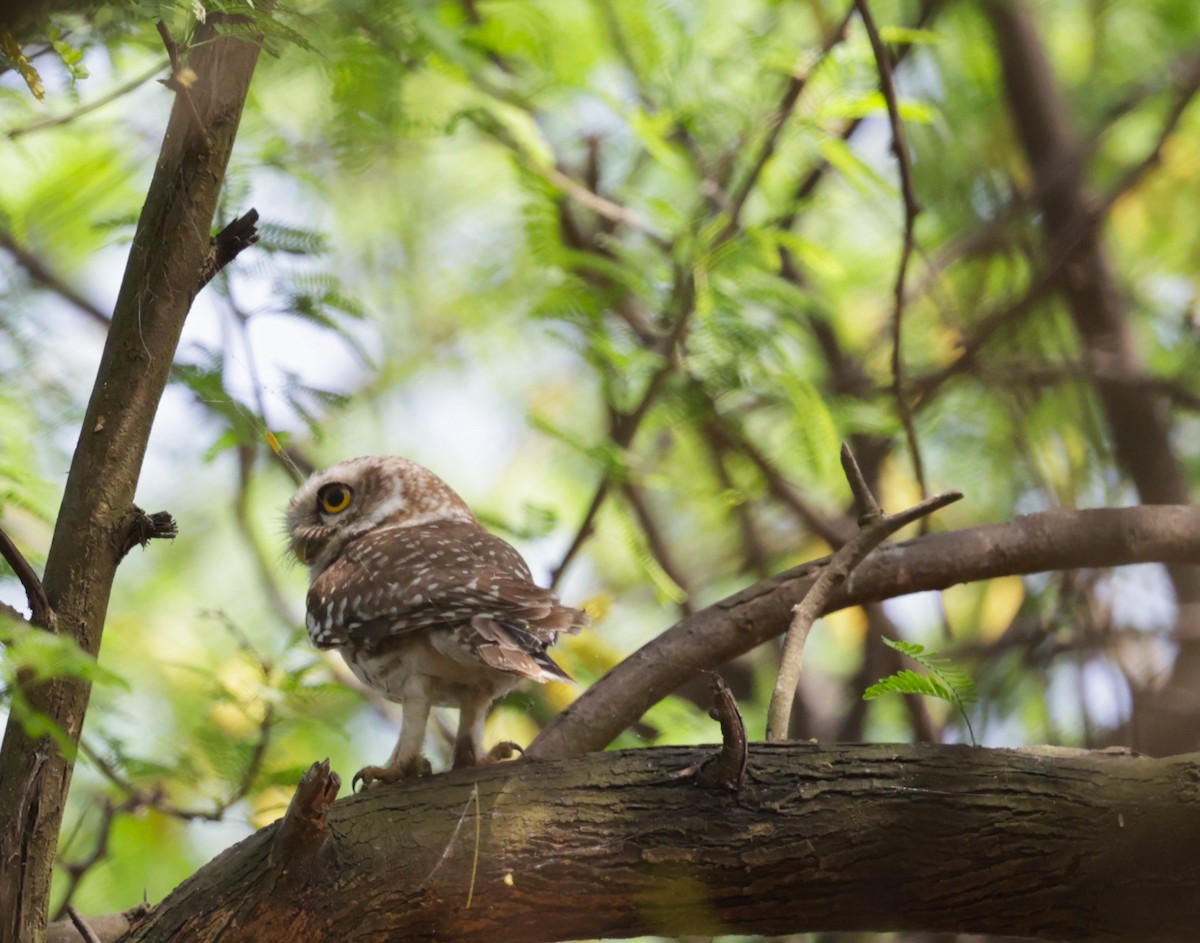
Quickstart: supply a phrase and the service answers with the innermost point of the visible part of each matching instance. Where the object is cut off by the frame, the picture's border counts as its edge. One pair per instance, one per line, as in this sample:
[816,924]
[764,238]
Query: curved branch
[1050,541]
[1066,845]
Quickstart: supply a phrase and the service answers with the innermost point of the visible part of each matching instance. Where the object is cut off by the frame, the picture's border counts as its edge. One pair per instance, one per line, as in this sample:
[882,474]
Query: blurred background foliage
[637,258]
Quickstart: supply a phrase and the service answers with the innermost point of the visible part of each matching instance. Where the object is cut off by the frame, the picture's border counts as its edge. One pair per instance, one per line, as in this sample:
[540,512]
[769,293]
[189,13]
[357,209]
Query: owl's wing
[399,580]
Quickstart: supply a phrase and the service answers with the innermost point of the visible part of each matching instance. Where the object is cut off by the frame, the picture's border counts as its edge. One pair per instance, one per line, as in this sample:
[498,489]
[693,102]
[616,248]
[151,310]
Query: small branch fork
[874,527]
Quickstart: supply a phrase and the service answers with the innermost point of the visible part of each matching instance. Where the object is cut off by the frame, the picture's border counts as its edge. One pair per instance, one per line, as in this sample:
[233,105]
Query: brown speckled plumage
[424,604]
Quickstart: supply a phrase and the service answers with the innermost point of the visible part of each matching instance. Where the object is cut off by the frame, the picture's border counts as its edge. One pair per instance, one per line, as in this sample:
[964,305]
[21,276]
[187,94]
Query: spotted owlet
[425,606]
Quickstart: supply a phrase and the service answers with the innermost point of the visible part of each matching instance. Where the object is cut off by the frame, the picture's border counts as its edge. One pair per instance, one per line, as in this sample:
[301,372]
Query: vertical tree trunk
[1138,424]
[161,279]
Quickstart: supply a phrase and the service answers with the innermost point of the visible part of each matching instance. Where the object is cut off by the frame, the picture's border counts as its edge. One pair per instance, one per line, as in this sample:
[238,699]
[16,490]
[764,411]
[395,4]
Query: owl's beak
[301,550]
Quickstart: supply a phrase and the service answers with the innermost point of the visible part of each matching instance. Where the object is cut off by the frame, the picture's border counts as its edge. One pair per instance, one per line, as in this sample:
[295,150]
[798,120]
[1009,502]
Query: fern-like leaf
[945,681]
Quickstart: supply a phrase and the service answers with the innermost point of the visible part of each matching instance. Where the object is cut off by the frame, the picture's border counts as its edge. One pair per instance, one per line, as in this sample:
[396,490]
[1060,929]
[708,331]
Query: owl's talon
[369,775]
[504,750]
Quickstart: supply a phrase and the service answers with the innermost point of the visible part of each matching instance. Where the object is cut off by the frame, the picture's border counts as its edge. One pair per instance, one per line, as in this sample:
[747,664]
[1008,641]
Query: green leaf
[945,681]
[908,36]
[44,655]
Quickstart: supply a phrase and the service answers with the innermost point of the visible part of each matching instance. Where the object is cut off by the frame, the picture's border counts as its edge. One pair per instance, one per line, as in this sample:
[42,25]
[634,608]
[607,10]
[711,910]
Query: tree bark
[1057,845]
[161,278]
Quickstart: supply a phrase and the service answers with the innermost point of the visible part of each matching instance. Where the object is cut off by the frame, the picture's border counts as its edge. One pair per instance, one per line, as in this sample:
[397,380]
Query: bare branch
[40,610]
[911,209]
[792,91]
[1038,542]
[81,925]
[625,428]
[876,527]
[119,92]
[42,275]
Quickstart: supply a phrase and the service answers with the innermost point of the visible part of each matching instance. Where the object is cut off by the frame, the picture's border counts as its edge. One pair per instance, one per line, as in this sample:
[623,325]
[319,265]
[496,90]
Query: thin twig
[81,925]
[40,273]
[39,604]
[1188,85]
[833,575]
[729,437]
[624,428]
[181,80]
[119,92]
[911,209]
[478,844]
[754,552]
[811,180]
[657,544]
[474,797]
[601,206]
[864,499]
[795,86]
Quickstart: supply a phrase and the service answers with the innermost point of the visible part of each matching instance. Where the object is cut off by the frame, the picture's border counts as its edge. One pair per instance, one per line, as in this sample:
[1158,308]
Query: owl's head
[359,495]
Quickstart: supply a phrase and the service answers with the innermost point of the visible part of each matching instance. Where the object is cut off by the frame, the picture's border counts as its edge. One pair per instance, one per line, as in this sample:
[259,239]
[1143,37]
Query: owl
[426,607]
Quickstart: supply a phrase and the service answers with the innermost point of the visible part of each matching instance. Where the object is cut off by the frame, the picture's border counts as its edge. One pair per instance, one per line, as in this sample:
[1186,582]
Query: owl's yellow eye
[334,497]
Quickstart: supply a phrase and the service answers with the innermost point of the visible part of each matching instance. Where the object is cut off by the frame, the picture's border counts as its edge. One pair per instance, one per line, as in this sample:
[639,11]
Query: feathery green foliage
[945,681]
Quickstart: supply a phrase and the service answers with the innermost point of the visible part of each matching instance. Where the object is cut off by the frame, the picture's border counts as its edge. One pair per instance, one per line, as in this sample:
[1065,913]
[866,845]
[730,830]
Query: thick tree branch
[1048,541]
[161,279]
[1066,845]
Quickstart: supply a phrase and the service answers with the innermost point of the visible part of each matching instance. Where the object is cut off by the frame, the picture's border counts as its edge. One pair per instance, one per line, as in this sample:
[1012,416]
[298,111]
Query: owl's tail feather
[511,647]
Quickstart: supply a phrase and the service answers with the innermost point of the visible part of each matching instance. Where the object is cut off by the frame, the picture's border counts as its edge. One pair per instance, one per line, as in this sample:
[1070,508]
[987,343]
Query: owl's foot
[466,757]
[504,750]
[369,775]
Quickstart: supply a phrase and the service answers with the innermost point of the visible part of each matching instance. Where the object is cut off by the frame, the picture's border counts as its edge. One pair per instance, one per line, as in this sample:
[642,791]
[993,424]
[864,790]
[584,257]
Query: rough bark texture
[1059,845]
[161,278]
[1138,423]
[711,637]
